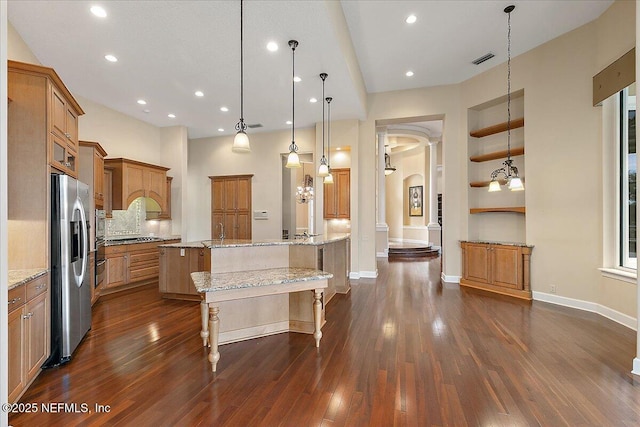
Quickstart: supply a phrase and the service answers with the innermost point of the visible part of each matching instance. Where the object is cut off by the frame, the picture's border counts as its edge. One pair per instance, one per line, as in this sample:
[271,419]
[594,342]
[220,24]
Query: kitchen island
[264,315]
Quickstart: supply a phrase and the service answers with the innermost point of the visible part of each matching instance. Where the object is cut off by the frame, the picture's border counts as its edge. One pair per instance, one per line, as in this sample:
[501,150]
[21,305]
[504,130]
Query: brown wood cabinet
[176,266]
[131,179]
[91,170]
[231,206]
[35,148]
[497,267]
[107,191]
[166,209]
[337,202]
[131,265]
[28,337]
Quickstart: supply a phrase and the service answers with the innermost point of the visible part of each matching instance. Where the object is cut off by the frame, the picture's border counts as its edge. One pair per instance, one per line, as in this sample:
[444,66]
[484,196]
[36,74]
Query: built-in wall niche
[496,216]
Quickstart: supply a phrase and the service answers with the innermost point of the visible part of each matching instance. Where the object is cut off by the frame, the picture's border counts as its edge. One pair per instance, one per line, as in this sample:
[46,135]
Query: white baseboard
[636,366]
[369,274]
[354,275]
[382,255]
[449,279]
[253,332]
[609,313]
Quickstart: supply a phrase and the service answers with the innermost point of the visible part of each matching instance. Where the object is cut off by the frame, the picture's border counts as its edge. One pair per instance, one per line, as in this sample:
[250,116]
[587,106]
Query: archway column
[382,229]
[433,226]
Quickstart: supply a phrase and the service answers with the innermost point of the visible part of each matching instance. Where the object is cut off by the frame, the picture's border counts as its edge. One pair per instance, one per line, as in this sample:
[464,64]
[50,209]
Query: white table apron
[219,287]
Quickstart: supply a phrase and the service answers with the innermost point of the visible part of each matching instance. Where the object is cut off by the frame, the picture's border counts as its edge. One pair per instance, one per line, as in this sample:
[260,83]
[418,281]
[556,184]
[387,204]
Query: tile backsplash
[132,222]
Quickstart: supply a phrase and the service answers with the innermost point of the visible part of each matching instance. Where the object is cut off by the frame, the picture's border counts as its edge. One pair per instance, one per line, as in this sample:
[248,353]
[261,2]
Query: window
[627,184]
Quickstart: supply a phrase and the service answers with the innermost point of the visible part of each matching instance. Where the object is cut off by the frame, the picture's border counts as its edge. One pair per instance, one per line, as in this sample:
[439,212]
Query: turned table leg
[317,315]
[214,329]
[204,315]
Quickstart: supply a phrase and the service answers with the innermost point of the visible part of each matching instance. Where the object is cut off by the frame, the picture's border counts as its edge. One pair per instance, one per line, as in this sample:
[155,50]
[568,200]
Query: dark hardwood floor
[398,350]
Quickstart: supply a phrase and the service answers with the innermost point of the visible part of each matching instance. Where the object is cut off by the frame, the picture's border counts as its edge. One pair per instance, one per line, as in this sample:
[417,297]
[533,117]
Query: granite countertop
[205,281]
[231,243]
[20,277]
[487,242]
[122,240]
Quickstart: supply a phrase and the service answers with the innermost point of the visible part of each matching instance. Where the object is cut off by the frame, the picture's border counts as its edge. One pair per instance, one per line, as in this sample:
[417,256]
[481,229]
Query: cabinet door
[71,127]
[36,335]
[155,185]
[15,333]
[116,268]
[343,203]
[217,195]
[61,156]
[229,221]
[166,209]
[243,194]
[506,267]
[98,180]
[133,177]
[230,194]
[217,218]
[107,189]
[58,113]
[330,208]
[243,225]
[477,266]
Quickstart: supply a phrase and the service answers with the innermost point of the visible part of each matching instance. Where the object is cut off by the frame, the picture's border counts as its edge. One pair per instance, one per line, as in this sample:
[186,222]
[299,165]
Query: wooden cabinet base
[496,289]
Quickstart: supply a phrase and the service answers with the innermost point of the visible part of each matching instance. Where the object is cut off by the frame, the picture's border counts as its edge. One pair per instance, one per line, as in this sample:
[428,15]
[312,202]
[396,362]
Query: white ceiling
[169,49]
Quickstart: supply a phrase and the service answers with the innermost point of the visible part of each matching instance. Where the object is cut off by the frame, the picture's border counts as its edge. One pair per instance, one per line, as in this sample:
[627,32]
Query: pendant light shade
[241,140]
[329,178]
[323,170]
[293,161]
[510,172]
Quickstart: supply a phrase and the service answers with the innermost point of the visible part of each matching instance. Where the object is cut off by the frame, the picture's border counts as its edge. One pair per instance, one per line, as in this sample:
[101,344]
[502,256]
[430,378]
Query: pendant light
[293,161]
[329,178]
[241,140]
[323,170]
[388,169]
[510,172]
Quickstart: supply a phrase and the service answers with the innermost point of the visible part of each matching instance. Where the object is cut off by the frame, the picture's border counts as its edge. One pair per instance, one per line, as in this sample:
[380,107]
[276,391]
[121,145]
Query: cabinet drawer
[144,258]
[118,249]
[37,286]
[144,273]
[16,297]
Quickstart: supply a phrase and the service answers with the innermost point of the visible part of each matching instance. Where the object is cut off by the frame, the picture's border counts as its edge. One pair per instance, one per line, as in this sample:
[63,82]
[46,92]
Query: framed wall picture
[415,200]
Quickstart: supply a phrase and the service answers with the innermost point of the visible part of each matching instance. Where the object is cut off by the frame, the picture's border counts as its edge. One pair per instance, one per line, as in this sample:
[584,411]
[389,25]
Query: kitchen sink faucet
[221,230]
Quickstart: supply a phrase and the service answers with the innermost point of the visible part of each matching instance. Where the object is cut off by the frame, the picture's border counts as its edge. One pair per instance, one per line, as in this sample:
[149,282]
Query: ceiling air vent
[483,58]
[255,125]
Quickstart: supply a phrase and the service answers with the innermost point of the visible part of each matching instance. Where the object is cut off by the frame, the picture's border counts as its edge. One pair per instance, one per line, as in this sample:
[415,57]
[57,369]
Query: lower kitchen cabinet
[131,265]
[28,339]
[176,266]
[497,267]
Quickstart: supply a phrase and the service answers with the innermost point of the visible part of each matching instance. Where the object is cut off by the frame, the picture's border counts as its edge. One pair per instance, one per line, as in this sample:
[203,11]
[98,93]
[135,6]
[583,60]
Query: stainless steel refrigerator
[70,281]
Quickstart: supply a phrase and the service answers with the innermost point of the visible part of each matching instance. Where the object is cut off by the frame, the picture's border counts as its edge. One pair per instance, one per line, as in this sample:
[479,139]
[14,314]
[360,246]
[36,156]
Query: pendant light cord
[509,86]
[321,75]
[241,66]
[293,96]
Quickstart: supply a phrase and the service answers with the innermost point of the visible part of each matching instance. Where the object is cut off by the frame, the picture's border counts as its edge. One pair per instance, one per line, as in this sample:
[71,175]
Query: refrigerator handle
[85,241]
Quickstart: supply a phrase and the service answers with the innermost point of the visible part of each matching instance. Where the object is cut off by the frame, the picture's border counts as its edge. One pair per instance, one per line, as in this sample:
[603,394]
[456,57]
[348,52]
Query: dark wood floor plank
[398,350]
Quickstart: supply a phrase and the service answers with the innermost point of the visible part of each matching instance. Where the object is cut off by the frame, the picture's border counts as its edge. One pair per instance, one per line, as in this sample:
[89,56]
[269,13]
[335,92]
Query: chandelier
[508,170]
[304,192]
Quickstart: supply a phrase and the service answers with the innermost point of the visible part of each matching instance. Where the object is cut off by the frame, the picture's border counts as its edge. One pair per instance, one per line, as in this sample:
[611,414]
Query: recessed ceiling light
[411,19]
[313,100]
[146,111]
[297,79]
[224,109]
[272,46]
[288,122]
[409,73]
[142,102]
[199,93]
[338,148]
[171,116]
[98,11]
[111,58]
[220,130]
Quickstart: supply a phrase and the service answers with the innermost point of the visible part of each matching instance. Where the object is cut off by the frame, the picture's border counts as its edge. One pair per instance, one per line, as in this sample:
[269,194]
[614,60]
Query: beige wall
[17,49]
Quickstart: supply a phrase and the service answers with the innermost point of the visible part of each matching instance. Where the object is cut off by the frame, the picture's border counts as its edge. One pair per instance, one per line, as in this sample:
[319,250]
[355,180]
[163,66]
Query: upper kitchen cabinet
[35,149]
[131,179]
[91,169]
[44,106]
[337,202]
[231,206]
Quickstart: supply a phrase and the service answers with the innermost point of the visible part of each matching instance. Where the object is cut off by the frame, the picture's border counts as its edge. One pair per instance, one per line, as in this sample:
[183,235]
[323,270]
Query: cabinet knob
[28,316]
[15,300]
[68,135]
